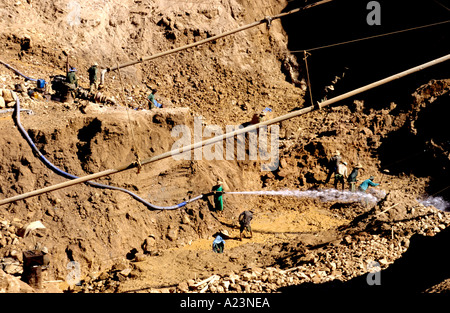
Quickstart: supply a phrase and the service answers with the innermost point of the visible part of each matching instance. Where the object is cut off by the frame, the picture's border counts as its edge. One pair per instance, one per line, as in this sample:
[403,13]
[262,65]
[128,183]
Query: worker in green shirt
[93,77]
[352,177]
[218,195]
[152,103]
[72,82]
[72,77]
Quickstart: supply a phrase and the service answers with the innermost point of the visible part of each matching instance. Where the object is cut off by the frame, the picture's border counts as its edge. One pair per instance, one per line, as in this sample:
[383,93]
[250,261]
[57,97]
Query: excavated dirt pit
[269,230]
[104,241]
[106,231]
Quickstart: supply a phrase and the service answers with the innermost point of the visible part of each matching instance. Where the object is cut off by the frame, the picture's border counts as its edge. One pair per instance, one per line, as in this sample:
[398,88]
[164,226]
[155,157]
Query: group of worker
[244,226]
[94,84]
[94,81]
[244,219]
[338,167]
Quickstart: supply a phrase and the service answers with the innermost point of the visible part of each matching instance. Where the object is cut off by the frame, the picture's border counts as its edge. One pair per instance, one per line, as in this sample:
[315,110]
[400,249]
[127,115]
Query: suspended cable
[441,5]
[267,19]
[370,37]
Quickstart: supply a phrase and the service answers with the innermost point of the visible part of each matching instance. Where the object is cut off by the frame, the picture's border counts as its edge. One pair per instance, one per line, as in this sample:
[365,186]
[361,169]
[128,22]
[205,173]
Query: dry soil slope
[98,227]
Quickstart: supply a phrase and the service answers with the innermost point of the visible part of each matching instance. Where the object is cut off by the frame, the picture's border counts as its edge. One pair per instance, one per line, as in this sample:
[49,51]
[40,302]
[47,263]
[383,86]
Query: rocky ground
[121,245]
[370,243]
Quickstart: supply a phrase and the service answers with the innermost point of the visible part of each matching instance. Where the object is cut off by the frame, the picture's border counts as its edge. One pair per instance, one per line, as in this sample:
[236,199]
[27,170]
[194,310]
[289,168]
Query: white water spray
[437,202]
[326,195]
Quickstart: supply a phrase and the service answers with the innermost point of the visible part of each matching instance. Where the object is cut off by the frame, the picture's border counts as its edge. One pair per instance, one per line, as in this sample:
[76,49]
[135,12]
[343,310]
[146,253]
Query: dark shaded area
[424,265]
[403,152]
[90,130]
[85,136]
[374,59]
[425,153]
[370,60]
[132,254]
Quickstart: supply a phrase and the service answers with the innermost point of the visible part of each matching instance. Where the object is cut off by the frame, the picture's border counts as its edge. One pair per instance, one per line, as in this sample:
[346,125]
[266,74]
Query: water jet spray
[325,195]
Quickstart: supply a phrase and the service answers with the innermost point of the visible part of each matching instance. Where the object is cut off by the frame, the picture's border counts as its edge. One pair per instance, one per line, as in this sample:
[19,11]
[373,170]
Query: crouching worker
[244,222]
[218,244]
[367,183]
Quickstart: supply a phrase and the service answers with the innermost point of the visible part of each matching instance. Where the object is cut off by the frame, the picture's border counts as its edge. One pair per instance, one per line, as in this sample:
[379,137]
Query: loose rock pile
[252,280]
[354,255]
[11,261]
[358,251]
[7,98]
[8,234]
[105,282]
[373,242]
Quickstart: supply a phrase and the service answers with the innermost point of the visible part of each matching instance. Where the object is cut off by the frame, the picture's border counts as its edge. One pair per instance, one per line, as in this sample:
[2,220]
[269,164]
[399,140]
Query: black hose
[17,72]
[16,117]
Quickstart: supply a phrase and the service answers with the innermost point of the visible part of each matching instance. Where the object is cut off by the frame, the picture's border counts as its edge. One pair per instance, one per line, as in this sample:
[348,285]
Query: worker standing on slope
[333,164]
[218,195]
[72,77]
[93,77]
[72,81]
[352,177]
[244,222]
[341,175]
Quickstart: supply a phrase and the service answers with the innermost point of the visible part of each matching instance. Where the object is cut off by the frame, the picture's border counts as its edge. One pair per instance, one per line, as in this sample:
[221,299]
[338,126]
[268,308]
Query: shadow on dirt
[368,60]
[422,151]
[423,265]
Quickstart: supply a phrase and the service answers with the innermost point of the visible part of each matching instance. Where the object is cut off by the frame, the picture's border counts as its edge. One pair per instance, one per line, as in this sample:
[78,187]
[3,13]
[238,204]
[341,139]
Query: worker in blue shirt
[368,182]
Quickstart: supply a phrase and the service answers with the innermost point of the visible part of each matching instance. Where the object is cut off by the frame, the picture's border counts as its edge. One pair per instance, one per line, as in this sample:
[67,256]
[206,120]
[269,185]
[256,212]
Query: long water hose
[16,117]
[17,72]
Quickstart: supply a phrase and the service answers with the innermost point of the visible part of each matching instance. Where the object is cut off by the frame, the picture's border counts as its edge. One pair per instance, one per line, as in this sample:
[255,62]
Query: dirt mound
[123,258]
[109,242]
[208,79]
[420,254]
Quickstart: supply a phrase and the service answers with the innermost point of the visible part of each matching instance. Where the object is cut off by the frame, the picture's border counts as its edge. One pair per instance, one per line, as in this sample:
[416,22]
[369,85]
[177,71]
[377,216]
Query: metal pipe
[224,136]
[194,44]
[16,117]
